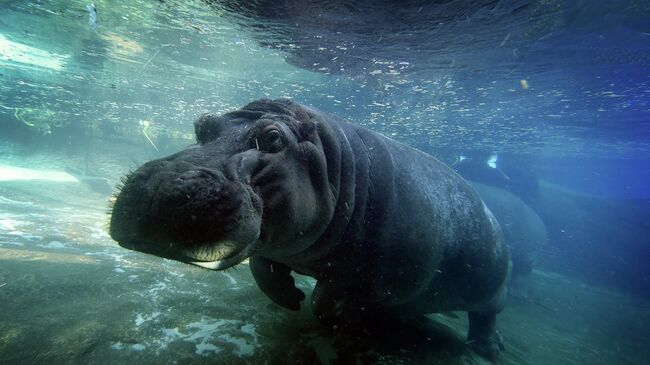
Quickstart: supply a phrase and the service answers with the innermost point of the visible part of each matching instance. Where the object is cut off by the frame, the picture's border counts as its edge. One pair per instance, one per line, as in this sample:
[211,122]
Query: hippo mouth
[224,263]
[228,254]
[213,256]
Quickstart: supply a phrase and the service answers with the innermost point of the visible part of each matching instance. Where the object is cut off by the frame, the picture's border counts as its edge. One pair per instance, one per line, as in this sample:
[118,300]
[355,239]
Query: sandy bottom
[69,294]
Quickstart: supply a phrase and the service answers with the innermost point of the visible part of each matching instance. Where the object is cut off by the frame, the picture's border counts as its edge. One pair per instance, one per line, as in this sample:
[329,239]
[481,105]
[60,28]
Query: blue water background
[559,90]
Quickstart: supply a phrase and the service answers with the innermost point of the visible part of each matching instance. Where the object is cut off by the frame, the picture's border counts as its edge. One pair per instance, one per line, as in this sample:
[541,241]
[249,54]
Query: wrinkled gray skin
[384,228]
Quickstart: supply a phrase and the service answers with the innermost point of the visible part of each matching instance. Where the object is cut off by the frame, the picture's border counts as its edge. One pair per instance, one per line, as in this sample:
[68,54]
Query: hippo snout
[180,210]
[197,205]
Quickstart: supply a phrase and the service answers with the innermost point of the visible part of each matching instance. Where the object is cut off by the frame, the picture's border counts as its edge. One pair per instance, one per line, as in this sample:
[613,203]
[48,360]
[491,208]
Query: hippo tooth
[212,265]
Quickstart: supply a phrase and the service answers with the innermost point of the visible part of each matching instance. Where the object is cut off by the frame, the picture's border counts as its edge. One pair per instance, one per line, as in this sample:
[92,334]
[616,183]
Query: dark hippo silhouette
[382,227]
[522,227]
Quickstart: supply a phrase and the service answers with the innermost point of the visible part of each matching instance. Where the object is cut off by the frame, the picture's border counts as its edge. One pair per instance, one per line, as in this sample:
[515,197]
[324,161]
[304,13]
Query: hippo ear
[309,132]
[207,127]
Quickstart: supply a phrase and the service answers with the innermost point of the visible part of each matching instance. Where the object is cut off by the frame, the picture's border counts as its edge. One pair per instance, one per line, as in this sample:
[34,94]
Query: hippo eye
[272,141]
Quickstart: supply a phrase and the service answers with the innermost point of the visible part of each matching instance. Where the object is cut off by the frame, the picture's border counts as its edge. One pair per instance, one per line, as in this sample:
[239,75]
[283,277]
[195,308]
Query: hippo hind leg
[341,305]
[331,305]
[483,336]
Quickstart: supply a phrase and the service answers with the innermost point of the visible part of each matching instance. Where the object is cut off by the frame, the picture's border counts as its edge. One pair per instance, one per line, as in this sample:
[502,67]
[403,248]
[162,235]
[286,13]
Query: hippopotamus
[383,228]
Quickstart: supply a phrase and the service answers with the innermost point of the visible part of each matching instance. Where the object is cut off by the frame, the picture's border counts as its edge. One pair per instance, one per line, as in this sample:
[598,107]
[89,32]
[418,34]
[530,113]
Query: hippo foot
[488,347]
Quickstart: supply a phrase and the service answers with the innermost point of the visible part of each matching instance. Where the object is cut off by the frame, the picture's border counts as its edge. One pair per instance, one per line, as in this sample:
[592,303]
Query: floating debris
[145,125]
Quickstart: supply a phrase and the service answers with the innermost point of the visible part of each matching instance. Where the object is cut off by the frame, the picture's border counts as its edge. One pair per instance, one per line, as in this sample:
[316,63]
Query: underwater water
[544,106]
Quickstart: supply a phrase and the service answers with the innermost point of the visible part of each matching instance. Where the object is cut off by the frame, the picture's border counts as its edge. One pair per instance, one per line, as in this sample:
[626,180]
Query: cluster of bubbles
[144,70]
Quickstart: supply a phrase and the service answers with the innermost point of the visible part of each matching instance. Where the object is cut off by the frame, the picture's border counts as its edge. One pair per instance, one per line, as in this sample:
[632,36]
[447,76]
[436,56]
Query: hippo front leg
[275,280]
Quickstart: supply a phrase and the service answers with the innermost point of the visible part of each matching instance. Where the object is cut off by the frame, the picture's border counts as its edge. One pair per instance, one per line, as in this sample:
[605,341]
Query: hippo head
[255,182]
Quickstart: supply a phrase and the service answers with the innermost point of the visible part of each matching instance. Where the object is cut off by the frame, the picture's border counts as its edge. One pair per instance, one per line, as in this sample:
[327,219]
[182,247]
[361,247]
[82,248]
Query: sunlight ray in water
[8,254]
[14,54]
[14,173]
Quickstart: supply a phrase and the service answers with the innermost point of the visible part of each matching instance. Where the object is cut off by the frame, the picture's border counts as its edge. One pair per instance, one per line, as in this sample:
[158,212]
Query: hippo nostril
[202,173]
[198,177]
[193,174]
